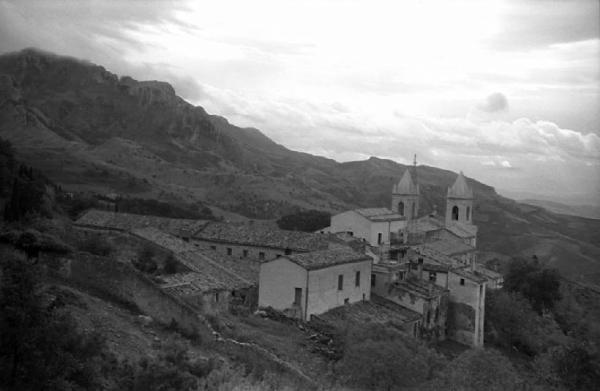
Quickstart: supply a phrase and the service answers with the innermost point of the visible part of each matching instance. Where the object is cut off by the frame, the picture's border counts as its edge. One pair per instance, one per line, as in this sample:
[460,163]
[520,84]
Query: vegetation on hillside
[307,221]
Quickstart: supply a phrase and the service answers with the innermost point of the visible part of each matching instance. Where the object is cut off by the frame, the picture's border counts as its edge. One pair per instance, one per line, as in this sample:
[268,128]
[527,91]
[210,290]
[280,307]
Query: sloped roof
[419,287]
[406,186]
[426,224]
[463,230]
[449,247]
[490,274]
[94,218]
[377,310]
[261,235]
[469,274]
[212,271]
[326,258]
[379,214]
[460,188]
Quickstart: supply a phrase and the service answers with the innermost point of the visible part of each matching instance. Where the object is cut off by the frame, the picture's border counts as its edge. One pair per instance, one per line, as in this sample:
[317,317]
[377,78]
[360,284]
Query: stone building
[258,241]
[312,283]
[374,225]
[443,251]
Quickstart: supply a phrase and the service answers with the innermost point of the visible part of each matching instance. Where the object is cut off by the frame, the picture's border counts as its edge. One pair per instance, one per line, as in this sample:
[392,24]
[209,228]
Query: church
[426,256]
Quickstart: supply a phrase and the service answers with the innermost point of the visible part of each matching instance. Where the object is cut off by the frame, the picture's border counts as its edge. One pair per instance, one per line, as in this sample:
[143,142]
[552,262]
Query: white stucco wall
[364,228]
[277,282]
[323,286]
[351,221]
[473,295]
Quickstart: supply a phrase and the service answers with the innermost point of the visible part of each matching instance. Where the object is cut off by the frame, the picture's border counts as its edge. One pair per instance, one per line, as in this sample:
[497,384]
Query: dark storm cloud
[494,103]
[532,24]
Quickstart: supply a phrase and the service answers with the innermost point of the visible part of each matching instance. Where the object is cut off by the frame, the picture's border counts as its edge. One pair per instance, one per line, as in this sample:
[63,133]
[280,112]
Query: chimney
[420,268]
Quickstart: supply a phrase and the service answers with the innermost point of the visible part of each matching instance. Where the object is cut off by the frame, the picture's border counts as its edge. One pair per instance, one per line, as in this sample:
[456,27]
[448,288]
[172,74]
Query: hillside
[588,211]
[90,130]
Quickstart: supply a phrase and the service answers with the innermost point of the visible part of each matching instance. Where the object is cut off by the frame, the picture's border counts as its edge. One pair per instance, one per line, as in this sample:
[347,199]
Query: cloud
[534,24]
[494,103]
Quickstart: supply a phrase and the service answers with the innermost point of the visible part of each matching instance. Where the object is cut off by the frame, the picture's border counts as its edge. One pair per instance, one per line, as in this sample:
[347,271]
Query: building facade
[312,283]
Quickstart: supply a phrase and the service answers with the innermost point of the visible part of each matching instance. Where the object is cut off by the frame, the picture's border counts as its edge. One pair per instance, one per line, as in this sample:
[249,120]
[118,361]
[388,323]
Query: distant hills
[588,211]
[90,130]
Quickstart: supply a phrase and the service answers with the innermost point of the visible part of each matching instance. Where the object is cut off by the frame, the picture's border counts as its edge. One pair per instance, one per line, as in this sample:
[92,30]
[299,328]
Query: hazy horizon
[507,92]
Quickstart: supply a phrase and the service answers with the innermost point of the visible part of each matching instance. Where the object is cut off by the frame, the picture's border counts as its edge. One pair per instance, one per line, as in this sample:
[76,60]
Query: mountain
[88,129]
[589,211]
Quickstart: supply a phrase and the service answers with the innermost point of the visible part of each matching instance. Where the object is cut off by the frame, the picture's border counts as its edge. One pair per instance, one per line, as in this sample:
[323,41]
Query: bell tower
[405,194]
[459,202]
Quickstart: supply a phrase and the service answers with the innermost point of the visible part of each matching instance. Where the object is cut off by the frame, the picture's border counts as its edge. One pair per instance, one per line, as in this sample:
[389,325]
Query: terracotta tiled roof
[490,274]
[379,214]
[463,230]
[209,267]
[378,310]
[261,235]
[325,258]
[419,287]
[449,247]
[469,274]
[128,221]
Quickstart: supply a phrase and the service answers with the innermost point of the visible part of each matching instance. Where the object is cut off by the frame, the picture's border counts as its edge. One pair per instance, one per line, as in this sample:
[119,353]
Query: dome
[460,188]
[406,185]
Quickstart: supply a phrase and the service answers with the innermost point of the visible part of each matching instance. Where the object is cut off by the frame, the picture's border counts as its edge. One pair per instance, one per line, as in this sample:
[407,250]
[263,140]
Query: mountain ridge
[91,130]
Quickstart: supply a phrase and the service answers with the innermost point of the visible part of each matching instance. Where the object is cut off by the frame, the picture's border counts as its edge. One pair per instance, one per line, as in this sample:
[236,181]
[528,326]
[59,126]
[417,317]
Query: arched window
[468,213]
[401,208]
[455,213]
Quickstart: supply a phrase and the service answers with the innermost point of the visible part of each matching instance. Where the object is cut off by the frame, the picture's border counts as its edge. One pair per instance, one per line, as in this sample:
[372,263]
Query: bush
[478,369]
[145,260]
[96,245]
[377,357]
[40,345]
[539,285]
[307,221]
[171,265]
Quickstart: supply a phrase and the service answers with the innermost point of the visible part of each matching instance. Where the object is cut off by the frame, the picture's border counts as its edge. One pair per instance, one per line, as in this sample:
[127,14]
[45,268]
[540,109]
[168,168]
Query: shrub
[96,245]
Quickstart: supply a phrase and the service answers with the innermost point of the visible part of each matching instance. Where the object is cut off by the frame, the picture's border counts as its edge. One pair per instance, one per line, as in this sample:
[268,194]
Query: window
[379,238]
[401,208]
[357,279]
[462,281]
[432,276]
[346,301]
[216,297]
[245,252]
[261,255]
[468,213]
[213,247]
[297,296]
[340,282]
[455,213]
[428,317]
[229,251]
[373,280]
[414,210]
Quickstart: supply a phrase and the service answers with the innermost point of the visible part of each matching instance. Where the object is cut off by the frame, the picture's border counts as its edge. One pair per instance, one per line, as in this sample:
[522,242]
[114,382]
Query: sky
[507,91]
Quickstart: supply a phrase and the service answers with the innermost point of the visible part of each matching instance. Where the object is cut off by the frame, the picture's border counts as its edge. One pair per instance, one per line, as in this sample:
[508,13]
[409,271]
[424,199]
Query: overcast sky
[507,91]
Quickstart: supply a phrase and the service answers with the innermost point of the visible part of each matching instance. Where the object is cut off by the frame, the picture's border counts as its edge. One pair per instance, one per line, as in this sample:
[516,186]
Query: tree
[307,221]
[539,285]
[510,321]
[478,370]
[40,346]
[575,366]
[377,357]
